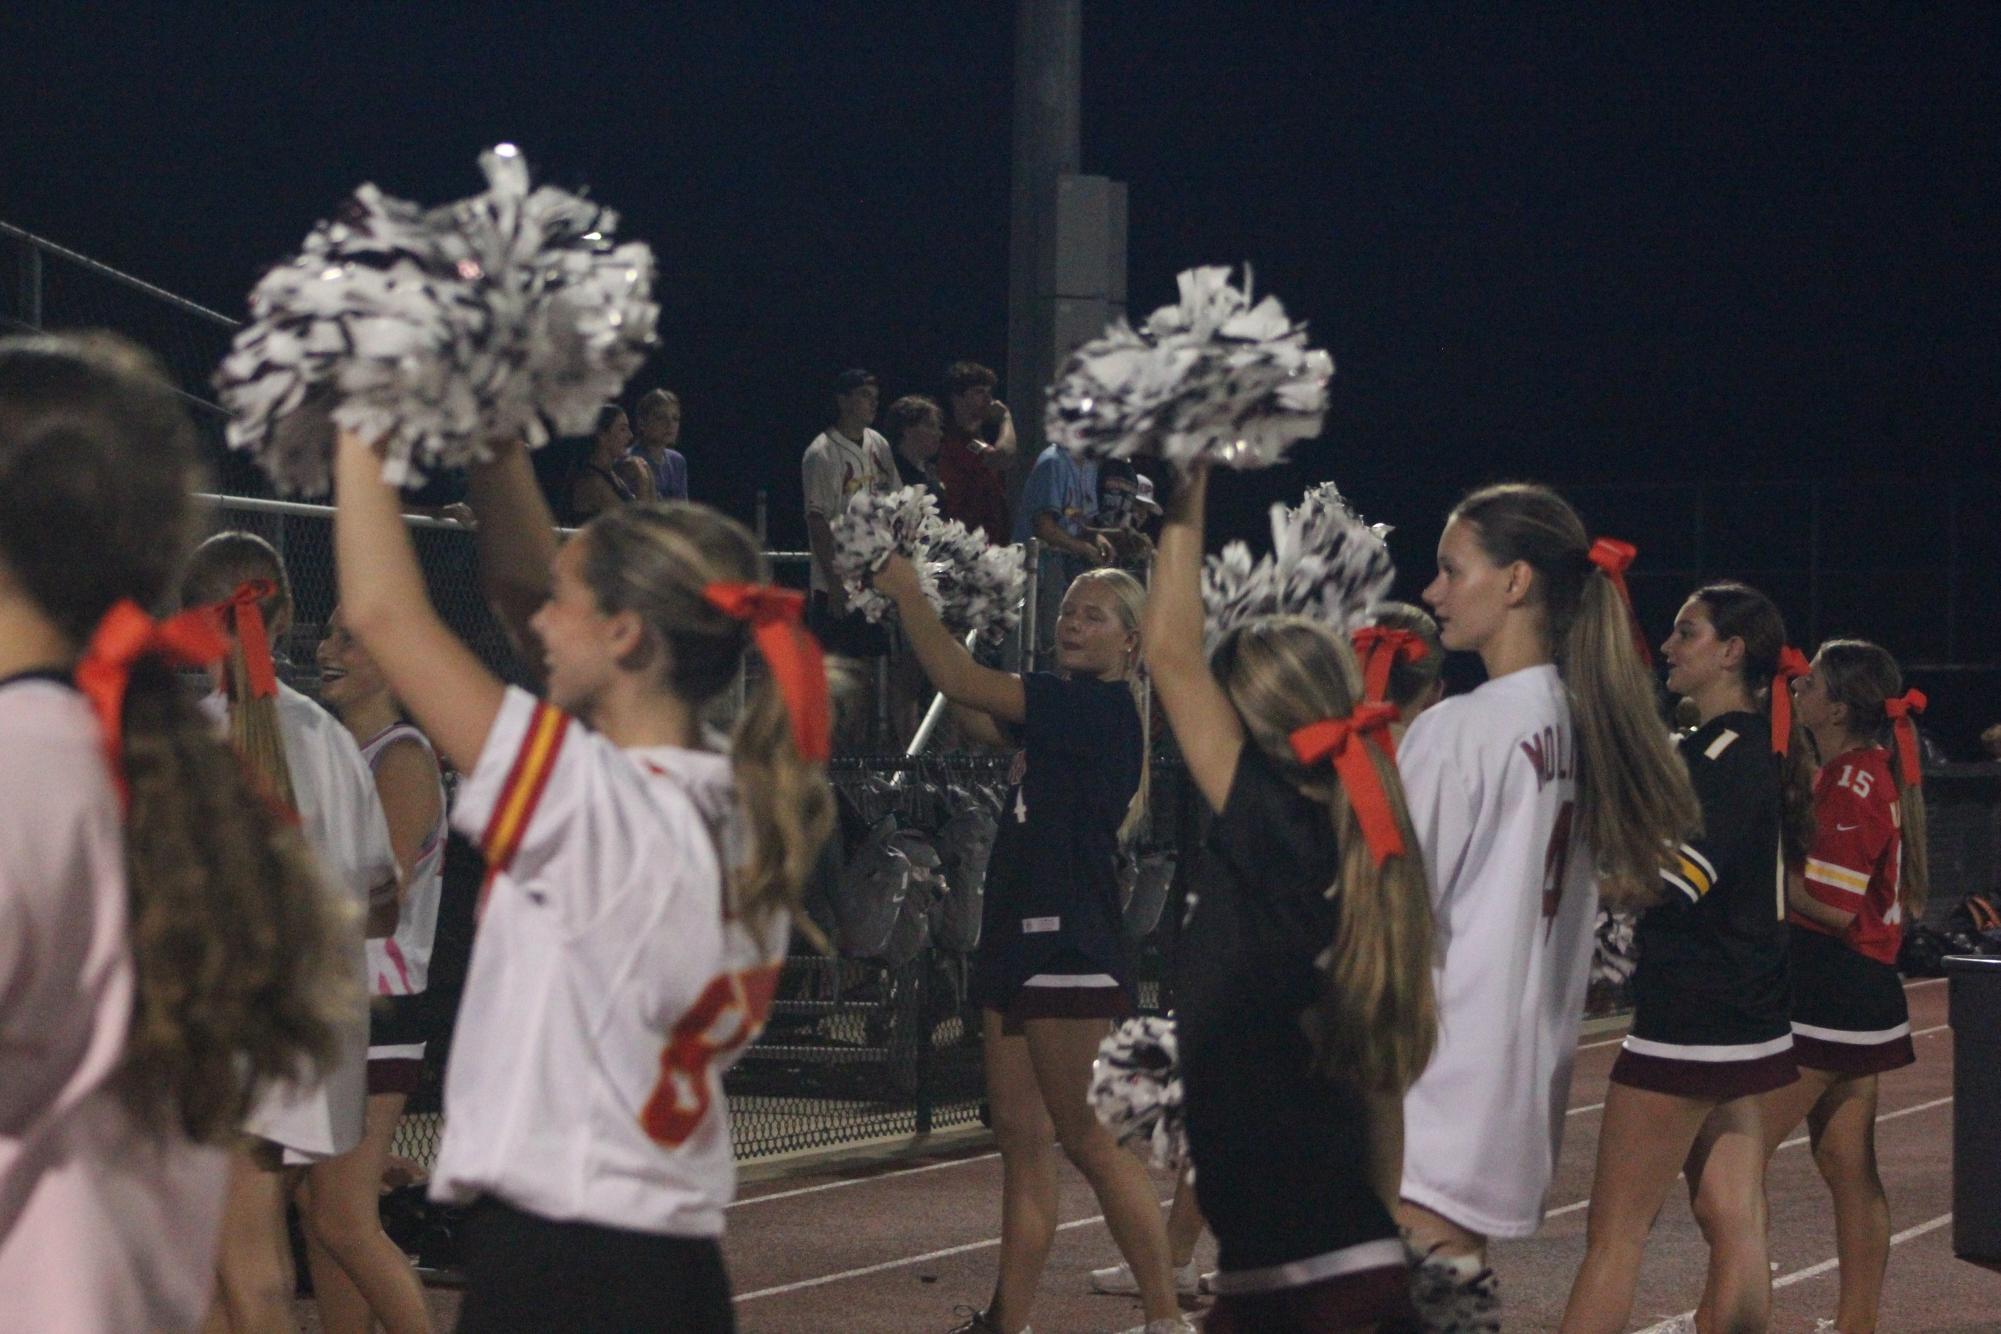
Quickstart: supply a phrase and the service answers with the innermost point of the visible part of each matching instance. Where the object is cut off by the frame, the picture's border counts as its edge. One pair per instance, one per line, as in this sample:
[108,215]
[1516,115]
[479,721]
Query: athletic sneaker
[1174,1324]
[976,1322]
[1119,1280]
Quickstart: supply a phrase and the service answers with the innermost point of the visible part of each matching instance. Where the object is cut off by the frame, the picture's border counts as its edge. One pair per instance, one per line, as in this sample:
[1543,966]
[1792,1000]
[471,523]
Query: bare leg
[1646,1137]
[1843,1126]
[1783,1109]
[1025,1134]
[254,1263]
[1063,1051]
[1184,1220]
[1430,1232]
[359,1275]
[1726,1190]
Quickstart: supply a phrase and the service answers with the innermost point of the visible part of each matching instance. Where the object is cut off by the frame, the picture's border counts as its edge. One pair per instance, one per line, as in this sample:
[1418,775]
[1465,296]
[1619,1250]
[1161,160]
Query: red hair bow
[1614,557]
[1342,741]
[123,638]
[1900,709]
[1792,666]
[1381,647]
[774,616]
[243,612]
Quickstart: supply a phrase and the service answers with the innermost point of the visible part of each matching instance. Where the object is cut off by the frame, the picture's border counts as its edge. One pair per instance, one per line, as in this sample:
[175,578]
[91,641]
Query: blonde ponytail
[222,565]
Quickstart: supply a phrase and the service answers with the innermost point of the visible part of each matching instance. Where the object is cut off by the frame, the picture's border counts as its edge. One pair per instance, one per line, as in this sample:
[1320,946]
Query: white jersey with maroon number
[1491,781]
[609,990]
[104,1224]
[341,818]
[400,965]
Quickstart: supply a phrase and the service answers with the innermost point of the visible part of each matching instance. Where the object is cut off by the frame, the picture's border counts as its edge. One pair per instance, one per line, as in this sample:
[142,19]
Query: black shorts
[525,1273]
[1850,1014]
[397,1029]
[1372,1293]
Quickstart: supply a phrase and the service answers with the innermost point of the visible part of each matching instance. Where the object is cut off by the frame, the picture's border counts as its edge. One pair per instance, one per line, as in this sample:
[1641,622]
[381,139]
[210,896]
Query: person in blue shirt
[657,417]
[1059,501]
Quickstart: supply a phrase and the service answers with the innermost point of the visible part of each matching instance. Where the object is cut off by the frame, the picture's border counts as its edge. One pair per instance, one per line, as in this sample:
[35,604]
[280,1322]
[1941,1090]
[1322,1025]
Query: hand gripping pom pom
[1325,564]
[1136,1088]
[509,315]
[974,585]
[1212,377]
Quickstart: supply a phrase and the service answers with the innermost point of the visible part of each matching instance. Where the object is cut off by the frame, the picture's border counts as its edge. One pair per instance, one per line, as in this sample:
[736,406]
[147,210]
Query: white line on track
[859,1181]
[1814,1271]
[866,1270]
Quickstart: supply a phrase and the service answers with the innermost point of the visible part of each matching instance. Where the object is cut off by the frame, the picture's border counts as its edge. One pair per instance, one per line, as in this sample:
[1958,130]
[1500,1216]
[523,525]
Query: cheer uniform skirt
[397,1028]
[1850,1015]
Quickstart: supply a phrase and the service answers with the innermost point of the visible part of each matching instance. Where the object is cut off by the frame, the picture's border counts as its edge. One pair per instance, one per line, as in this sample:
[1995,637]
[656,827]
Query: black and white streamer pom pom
[510,314]
[874,527]
[1325,564]
[1212,377]
[979,585]
[1136,1088]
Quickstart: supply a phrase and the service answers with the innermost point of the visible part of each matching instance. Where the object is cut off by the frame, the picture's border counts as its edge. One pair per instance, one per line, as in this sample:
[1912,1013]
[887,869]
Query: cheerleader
[164,944]
[1524,793]
[1304,991]
[309,765]
[1051,970]
[640,888]
[1864,878]
[1712,1006]
[345,1194]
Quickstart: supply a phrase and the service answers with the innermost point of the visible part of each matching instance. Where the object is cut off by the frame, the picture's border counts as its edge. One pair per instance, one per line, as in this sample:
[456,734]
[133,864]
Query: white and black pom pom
[874,527]
[1136,1088]
[510,314]
[973,584]
[1212,377]
[1325,564]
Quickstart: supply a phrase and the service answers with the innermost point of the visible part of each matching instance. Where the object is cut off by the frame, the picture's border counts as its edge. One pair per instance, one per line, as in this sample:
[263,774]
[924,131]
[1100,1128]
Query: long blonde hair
[1634,800]
[1863,676]
[221,565]
[1376,1019]
[237,953]
[1129,598]
[655,560]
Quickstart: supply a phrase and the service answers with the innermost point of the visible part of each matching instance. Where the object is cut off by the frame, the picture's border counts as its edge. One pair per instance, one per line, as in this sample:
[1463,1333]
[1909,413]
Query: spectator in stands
[658,419]
[597,486]
[1059,501]
[915,426]
[977,450]
[1990,742]
[845,458]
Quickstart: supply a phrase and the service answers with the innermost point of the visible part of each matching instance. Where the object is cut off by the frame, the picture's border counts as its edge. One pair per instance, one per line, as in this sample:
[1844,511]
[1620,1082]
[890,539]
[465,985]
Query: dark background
[1683,264]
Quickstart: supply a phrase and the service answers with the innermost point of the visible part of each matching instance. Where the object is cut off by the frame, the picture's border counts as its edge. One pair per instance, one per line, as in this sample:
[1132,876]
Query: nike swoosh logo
[1844,828]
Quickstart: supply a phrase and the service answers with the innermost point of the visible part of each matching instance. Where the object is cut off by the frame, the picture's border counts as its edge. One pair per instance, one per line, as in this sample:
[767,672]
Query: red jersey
[1857,858]
[975,489]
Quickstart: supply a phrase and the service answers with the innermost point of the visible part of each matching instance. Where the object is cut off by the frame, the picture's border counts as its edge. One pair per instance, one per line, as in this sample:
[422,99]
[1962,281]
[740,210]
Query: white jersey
[401,964]
[342,821]
[104,1224]
[1491,782]
[609,988]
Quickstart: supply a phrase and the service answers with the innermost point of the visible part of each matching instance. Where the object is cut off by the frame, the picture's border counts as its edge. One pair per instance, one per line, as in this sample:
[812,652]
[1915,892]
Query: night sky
[1699,246]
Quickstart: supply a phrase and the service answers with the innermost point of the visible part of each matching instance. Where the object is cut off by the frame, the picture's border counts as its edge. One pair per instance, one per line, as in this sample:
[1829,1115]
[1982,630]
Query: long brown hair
[1634,800]
[221,565]
[1862,676]
[1376,1019]
[1739,611]
[236,950]
[655,560]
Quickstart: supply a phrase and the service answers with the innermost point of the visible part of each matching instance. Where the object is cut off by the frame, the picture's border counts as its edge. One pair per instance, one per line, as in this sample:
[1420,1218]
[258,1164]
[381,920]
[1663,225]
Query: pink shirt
[103,1226]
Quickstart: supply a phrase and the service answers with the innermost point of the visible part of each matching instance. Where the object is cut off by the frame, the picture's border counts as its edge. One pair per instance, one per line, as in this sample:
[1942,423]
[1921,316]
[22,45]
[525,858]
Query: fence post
[926,1095]
[31,286]
[1030,611]
[763,518]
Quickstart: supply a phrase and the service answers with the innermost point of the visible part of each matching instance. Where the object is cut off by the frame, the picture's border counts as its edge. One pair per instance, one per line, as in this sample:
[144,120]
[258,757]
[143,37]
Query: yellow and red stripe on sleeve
[1835,885]
[522,790]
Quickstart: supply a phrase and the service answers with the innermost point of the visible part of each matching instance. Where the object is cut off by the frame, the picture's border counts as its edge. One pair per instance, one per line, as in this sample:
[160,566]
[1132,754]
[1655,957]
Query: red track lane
[888,1249]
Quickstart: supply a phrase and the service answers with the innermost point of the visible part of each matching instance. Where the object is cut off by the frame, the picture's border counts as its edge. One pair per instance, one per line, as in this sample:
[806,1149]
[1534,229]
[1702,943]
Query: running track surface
[894,1247]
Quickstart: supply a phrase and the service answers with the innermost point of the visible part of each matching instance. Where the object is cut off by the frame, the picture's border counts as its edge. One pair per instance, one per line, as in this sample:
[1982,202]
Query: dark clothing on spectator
[975,489]
[919,474]
[849,636]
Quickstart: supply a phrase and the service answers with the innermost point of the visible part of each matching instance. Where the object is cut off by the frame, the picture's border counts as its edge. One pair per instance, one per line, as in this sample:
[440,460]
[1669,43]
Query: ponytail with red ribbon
[1344,741]
[125,637]
[243,612]
[1381,648]
[1792,666]
[774,616]
[1899,709]
[1613,557]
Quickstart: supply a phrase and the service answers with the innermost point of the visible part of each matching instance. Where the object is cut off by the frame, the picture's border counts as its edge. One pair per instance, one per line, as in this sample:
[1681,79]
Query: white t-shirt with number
[1491,781]
[608,989]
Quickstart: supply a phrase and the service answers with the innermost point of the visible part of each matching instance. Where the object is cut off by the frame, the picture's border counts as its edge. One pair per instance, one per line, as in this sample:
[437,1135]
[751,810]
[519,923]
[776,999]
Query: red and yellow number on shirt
[730,1012]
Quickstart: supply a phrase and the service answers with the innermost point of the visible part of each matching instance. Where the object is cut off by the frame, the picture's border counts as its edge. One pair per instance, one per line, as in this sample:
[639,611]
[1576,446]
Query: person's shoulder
[48,728]
[820,444]
[1728,741]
